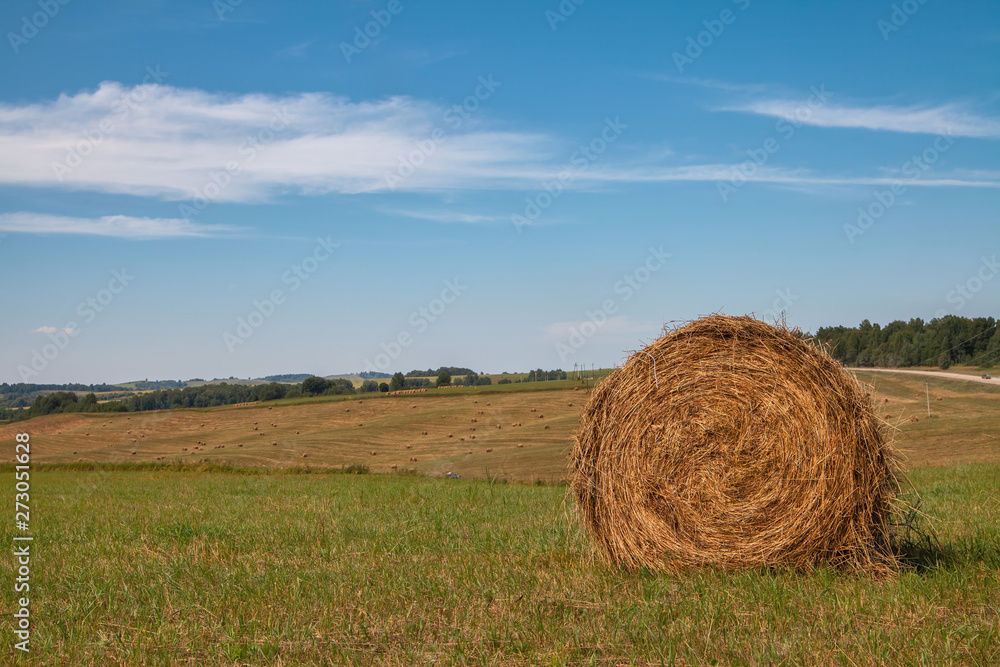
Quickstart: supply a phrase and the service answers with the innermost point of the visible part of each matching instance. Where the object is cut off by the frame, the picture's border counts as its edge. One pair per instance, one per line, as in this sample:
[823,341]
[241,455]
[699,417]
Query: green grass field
[183,561]
[161,568]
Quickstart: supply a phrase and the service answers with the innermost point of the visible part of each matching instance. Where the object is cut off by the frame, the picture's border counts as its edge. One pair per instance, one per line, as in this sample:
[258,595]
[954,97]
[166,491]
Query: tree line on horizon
[941,342]
[19,395]
[65,398]
[450,370]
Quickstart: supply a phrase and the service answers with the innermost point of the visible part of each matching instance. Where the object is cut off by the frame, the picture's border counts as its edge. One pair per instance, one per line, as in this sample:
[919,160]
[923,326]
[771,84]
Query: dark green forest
[450,370]
[538,375]
[940,342]
[205,396]
[20,394]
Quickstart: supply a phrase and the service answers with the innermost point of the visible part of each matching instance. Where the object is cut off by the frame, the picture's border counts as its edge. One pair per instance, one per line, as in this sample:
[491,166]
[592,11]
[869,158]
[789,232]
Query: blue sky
[215,189]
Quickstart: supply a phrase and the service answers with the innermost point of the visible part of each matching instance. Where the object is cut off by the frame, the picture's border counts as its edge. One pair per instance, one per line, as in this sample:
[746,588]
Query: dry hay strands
[733,443]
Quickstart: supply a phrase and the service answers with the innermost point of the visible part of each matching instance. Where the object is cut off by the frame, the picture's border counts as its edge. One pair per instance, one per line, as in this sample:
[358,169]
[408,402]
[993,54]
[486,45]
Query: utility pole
[928,387]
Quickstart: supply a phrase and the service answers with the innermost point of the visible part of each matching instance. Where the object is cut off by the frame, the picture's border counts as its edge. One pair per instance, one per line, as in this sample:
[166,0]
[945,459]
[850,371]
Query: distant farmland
[165,557]
[337,431]
[541,416]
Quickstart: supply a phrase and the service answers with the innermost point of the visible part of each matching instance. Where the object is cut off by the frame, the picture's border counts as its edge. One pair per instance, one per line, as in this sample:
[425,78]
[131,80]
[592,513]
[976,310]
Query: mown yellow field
[470,433]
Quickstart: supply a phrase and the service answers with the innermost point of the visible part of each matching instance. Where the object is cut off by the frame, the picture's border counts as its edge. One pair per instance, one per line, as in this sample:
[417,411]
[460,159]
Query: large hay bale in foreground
[735,443]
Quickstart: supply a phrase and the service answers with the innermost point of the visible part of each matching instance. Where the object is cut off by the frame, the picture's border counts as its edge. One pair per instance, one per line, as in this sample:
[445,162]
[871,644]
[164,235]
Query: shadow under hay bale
[733,443]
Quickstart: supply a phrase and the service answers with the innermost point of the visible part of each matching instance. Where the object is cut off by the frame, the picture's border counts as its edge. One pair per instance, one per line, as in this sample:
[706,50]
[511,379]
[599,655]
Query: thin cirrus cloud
[782,176]
[446,216]
[119,226]
[54,330]
[947,118]
[176,144]
[193,146]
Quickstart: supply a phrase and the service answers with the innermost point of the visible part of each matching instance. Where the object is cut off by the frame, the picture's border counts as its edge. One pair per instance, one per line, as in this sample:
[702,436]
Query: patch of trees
[59,402]
[473,380]
[373,375]
[317,386]
[314,386]
[539,375]
[287,377]
[941,342]
[145,385]
[450,370]
[400,382]
[371,386]
[22,394]
[205,396]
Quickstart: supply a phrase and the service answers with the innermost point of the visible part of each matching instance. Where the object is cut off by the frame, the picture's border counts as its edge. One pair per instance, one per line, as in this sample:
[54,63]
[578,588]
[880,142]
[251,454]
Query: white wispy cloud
[119,226]
[173,143]
[296,50]
[194,146]
[951,118]
[446,216]
[53,330]
[713,84]
[777,175]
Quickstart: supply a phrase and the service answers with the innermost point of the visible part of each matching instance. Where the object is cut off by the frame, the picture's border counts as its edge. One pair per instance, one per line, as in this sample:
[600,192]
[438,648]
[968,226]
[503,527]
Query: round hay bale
[733,443]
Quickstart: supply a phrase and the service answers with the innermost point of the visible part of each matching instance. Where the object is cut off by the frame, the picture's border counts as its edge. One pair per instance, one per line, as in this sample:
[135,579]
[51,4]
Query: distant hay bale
[733,443]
